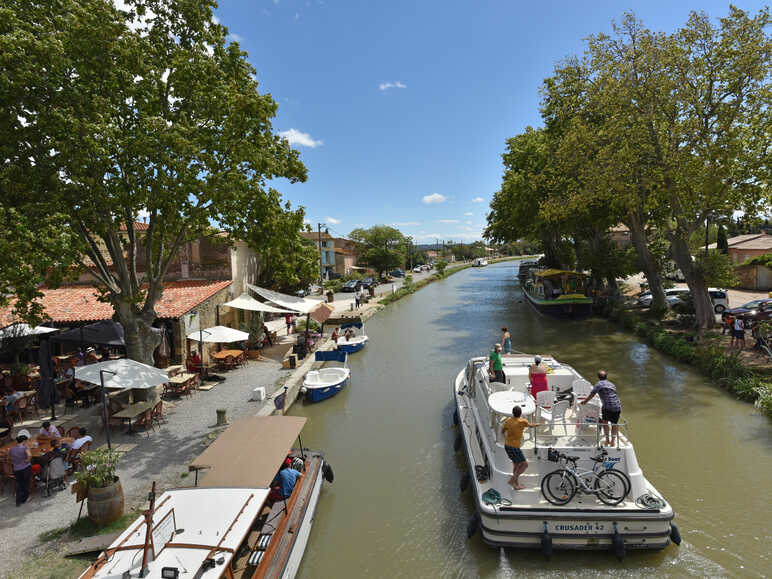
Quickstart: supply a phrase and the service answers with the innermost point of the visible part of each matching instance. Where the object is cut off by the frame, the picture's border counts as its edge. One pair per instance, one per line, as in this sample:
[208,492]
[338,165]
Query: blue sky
[401,109]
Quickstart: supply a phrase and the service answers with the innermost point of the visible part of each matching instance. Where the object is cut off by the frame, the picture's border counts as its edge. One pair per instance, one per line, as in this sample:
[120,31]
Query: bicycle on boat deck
[560,486]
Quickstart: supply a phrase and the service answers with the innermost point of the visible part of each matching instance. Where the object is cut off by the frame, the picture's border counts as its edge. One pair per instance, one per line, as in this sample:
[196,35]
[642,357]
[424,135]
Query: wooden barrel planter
[105,505]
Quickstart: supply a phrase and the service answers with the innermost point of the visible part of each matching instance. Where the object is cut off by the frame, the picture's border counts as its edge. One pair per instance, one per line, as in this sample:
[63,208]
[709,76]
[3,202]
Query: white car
[644,300]
[417,269]
[719,297]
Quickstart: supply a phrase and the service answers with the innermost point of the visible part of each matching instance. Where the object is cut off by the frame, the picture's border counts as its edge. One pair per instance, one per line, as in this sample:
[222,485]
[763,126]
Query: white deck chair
[581,388]
[519,388]
[558,414]
[544,402]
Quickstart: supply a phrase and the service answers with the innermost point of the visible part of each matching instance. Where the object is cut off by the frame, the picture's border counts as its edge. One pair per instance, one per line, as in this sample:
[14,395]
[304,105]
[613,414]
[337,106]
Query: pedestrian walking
[739,333]
[611,405]
[21,461]
[288,321]
[357,298]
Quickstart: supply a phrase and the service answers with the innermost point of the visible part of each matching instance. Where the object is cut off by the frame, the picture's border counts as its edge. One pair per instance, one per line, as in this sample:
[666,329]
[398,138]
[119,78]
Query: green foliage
[254,327]
[381,247]
[722,243]
[314,326]
[765,260]
[717,268]
[333,285]
[95,136]
[98,467]
[440,266]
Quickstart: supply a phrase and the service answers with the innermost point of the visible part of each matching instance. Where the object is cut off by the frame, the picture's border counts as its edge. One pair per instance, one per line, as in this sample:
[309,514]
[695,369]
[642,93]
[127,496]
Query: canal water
[395,509]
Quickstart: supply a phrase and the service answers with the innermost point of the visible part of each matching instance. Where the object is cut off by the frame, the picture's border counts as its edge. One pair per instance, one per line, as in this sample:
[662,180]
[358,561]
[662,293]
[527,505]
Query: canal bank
[395,508]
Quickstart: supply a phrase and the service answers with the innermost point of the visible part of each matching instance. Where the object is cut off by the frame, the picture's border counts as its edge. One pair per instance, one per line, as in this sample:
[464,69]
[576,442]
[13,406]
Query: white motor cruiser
[597,498]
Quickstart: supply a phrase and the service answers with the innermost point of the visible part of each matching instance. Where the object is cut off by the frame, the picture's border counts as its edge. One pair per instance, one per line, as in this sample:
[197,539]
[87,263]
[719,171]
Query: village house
[325,245]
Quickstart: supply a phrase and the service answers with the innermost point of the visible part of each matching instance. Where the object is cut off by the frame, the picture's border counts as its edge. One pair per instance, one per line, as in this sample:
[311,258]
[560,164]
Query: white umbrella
[121,374]
[300,305]
[247,302]
[218,335]
[20,330]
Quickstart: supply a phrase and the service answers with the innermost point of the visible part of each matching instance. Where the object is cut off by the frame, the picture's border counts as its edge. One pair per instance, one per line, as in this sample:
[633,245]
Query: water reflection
[395,509]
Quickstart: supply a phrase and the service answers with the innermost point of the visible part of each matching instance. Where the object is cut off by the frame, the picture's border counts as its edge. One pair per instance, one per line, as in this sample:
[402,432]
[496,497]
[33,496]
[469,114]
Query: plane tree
[111,114]
[380,247]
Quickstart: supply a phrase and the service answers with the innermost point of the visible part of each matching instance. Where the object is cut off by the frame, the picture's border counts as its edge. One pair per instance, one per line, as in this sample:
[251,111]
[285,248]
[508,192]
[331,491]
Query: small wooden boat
[326,382]
[558,293]
[357,341]
[228,525]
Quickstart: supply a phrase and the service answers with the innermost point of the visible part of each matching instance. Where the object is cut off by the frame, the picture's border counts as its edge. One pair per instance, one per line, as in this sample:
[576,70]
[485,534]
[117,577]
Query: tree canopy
[381,247]
[109,115]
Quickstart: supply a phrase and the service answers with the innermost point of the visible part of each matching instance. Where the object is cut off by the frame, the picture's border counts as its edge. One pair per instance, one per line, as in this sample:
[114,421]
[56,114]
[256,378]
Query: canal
[395,509]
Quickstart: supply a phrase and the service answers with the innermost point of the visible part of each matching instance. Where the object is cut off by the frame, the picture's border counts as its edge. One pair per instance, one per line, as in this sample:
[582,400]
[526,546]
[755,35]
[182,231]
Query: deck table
[133,411]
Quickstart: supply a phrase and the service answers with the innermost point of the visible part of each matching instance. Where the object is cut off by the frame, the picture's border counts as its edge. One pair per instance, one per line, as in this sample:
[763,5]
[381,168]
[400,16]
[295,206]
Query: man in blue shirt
[286,480]
[611,405]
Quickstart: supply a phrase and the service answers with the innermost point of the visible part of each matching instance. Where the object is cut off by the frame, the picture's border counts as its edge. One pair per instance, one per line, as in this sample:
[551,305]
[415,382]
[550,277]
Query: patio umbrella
[20,330]
[218,335]
[123,373]
[103,333]
[47,393]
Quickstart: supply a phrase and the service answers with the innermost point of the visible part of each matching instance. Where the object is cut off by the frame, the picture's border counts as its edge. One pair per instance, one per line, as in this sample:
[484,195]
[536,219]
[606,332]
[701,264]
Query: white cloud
[388,85]
[468,214]
[448,220]
[296,137]
[215,19]
[478,199]
[407,224]
[236,37]
[143,215]
[332,220]
[307,221]
[434,198]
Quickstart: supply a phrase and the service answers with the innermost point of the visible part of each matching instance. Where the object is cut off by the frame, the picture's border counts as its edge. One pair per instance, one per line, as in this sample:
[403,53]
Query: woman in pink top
[538,376]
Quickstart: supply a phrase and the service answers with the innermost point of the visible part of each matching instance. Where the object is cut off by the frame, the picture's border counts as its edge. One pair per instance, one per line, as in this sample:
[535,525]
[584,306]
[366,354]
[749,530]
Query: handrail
[596,433]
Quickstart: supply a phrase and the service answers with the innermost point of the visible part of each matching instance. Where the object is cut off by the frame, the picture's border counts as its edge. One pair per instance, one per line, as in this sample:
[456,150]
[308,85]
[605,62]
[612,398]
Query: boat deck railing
[574,433]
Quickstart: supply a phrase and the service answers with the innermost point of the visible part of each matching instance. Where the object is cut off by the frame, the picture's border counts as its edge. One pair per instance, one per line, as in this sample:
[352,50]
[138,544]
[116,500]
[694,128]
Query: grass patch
[85,528]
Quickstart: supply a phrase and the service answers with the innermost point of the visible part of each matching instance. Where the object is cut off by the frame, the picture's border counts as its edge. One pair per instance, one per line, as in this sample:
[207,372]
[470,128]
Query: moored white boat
[227,525]
[479,262]
[355,342]
[326,382]
[525,518]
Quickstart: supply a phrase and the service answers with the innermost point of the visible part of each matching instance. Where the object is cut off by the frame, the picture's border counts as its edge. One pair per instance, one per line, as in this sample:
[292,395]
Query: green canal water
[395,509]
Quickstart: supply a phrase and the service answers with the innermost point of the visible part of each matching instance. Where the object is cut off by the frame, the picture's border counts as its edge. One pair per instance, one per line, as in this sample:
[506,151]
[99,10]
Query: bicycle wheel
[627,480]
[611,486]
[558,487]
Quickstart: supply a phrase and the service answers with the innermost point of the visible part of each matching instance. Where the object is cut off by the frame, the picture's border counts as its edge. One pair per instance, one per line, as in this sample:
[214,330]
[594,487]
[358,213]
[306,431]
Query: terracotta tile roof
[732,241]
[138,226]
[760,241]
[79,303]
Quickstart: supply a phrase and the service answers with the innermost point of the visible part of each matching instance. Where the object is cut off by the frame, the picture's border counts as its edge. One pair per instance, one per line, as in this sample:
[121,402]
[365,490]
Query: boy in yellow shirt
[513,431]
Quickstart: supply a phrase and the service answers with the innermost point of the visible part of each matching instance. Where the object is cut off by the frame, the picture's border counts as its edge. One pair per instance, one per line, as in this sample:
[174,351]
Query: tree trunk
[649,266]
[140,339]
[703,307]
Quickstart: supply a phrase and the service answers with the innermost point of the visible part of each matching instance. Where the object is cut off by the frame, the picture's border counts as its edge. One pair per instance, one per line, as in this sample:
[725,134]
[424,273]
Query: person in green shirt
[496,365]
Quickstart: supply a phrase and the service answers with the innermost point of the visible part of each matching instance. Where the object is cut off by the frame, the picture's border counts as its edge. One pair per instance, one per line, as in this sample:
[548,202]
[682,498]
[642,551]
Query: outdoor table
[222,355]
[501,403]
[40,449]
[174,370]
[133,411]
[178,384]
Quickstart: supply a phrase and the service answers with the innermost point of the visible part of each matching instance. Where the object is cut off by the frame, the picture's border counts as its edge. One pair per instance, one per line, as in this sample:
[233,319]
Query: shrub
[98,468]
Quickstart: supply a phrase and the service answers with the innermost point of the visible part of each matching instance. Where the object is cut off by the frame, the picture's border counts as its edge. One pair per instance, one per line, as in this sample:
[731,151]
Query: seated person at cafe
[48,430]
[82,439]
[10,399]
[56,451]
[284,482]
[91,356]
[194,362]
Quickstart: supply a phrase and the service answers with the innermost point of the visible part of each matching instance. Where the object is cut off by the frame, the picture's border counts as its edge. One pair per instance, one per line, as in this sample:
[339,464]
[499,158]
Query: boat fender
[473,525]
[303,389]
[455,417]
[457,443]
[546,543]
[465,480]
[675,535]
[618,544]
[329,476]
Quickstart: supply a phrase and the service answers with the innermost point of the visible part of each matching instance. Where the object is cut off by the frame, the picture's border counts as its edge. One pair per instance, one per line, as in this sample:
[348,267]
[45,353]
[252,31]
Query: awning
[250,452]
[322,312]
[247,302]
[218,335]
[294,303]
[122,373]
[330,356]
[104,333]
[20,330]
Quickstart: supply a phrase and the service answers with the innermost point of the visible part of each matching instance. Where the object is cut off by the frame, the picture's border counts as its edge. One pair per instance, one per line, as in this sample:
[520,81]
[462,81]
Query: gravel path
[163,457]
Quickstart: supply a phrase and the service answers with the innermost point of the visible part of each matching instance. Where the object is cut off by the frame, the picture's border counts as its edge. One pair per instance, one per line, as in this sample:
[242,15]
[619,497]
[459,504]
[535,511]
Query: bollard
[221,420]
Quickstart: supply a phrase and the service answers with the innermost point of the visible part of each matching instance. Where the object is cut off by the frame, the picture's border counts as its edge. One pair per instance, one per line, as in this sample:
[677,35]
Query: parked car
[759,311]
[644,300]
[397,273]
[745,308]
[718,297]
[309,291]
[352,285]
[369,282]
[417,269]
[426,267]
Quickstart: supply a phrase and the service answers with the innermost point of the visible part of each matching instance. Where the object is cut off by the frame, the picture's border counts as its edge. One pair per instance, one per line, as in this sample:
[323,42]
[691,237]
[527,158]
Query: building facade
[325,245]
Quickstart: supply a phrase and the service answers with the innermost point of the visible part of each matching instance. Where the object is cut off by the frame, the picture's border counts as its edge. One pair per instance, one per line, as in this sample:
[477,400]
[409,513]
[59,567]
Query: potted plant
[102,487]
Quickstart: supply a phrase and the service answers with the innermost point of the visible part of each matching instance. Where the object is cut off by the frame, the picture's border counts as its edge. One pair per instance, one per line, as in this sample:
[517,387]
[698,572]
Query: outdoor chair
[230,363]
[6,470]
[558,414]
[544,401]
[519,388]
[73,456]
[145,420]
[581,389]
[158,413]
[73,432]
